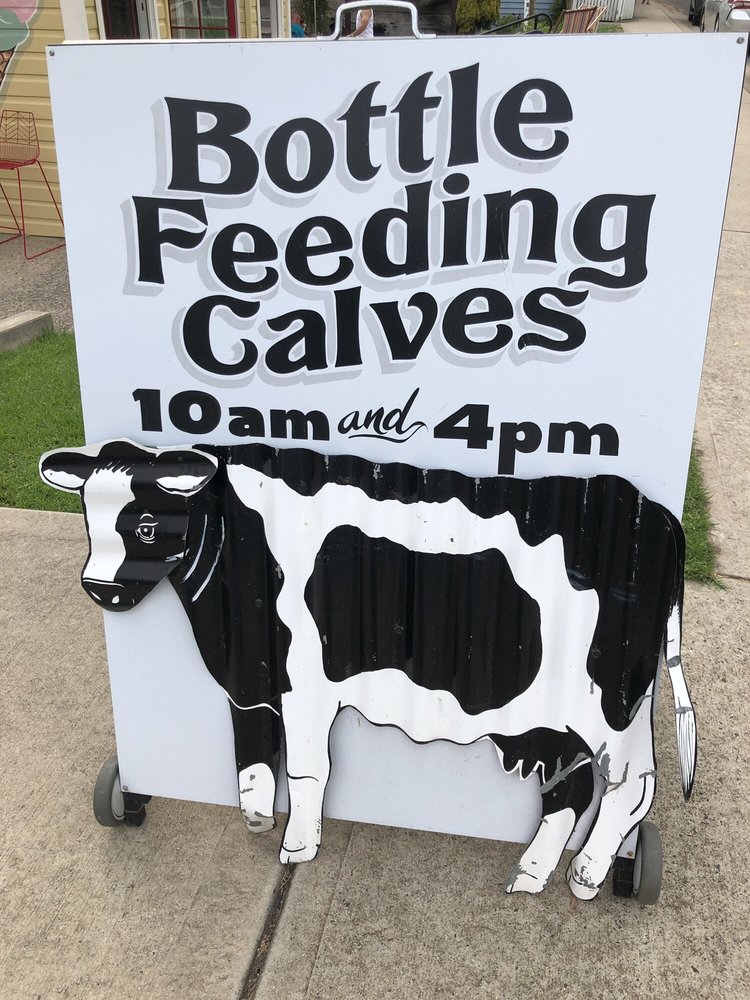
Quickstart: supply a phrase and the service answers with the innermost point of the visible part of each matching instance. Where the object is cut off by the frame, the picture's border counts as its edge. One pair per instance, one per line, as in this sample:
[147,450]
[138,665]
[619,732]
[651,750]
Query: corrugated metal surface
[528,612]
[429,572]
[615,542]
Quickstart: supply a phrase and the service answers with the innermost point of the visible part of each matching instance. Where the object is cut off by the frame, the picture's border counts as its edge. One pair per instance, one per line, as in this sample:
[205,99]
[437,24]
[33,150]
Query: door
[270,19]
[126,19]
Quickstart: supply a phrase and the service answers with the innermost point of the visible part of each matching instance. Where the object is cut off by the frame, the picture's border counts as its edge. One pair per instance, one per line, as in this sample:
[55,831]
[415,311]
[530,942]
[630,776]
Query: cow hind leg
[564,764]
[256,745]
[631,784]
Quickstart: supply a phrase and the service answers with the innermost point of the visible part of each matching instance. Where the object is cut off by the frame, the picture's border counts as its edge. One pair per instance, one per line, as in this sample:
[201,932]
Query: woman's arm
[361,25]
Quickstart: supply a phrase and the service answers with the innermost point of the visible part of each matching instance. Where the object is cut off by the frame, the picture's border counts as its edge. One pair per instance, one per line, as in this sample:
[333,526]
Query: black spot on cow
[456,623]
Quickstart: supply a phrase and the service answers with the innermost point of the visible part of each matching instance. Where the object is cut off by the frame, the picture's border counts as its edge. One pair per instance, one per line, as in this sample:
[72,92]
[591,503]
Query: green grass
[40,409]
[701,553]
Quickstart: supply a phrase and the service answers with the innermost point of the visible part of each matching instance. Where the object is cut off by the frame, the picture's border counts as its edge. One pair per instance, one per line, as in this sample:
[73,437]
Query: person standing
[365,24]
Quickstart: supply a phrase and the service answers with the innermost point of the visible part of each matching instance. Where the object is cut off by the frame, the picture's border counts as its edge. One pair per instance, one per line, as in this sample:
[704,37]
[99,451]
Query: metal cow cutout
[532,613]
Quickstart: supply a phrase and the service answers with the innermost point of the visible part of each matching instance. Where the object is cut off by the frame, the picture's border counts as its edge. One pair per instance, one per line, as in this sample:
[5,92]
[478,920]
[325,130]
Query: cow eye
[146,530]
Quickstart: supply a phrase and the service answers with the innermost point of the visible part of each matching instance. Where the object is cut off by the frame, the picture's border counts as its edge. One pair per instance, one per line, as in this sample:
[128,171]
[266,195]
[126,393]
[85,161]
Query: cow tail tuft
[687,734]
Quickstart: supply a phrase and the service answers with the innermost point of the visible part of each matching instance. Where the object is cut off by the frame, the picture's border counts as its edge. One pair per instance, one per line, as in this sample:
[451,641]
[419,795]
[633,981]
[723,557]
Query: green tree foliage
[307,10]
[476,15]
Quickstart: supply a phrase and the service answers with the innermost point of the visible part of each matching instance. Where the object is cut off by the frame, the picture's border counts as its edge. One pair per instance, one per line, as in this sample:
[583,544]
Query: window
[202,19]
[126,19]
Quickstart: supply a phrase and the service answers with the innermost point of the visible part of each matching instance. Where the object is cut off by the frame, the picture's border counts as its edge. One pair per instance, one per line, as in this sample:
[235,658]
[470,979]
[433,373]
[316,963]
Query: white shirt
[367,32]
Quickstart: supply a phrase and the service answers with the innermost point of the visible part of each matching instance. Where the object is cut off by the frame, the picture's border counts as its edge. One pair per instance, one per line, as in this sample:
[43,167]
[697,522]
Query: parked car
[732,15]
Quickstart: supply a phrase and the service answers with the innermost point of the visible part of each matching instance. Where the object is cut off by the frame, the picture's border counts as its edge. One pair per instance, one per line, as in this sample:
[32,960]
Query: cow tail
[687,738]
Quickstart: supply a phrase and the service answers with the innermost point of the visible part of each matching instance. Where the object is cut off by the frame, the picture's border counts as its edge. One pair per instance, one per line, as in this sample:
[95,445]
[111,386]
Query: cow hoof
[289,857]
[257,823]
[523,881]
[580,885]
[257,787]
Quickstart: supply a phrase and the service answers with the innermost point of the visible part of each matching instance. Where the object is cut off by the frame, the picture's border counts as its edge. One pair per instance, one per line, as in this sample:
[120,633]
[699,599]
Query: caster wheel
[109,804]
[641,877]
[648,865]
[112,806]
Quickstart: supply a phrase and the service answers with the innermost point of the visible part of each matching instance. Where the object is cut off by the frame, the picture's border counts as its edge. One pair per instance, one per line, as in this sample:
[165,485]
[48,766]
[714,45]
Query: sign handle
[380,5]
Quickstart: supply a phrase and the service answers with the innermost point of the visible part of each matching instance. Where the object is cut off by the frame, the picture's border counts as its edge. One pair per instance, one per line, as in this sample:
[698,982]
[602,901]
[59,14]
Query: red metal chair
[19,147]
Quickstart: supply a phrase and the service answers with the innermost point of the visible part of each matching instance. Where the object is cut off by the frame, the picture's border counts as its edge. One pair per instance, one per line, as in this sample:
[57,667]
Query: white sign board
[493,255]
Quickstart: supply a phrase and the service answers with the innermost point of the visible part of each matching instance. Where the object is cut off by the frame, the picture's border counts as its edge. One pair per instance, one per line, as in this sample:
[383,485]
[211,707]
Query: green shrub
[476,15]
[556,10]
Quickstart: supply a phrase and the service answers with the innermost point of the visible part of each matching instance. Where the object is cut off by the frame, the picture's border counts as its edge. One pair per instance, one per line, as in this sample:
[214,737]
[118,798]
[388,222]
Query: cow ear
[184,472]
[66,470]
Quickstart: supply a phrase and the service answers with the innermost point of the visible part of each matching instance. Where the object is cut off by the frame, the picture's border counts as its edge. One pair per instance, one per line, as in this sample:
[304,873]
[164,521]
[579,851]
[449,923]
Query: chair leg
[19,231]
[57,209]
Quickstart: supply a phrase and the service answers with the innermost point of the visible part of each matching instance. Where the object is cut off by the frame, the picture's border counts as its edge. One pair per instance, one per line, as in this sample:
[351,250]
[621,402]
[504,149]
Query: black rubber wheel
[109,805]
[647,872]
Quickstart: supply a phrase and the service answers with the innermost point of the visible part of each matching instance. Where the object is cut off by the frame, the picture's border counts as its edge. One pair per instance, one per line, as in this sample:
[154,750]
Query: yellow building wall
[26,88]
[92,20]
[162,19]
[249,19]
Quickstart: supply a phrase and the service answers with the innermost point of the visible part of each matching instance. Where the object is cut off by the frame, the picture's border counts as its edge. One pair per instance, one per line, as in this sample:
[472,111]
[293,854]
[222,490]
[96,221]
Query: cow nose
[108,595]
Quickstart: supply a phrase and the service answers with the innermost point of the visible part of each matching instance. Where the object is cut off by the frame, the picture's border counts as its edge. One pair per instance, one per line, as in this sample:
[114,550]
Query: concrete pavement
[36,285]
[187,905]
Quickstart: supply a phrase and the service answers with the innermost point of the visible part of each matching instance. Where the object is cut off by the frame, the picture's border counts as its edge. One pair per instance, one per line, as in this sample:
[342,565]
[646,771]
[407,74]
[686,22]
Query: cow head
[136,509]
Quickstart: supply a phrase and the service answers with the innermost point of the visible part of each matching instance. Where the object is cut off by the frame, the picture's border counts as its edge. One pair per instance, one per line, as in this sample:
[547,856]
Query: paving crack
[731,576]
[263,947]
[330,907]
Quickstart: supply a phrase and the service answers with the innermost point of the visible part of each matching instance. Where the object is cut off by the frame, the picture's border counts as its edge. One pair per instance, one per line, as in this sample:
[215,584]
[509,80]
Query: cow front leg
[567,793]
[564,800]
[256,744]
[563,762]
[306,728]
